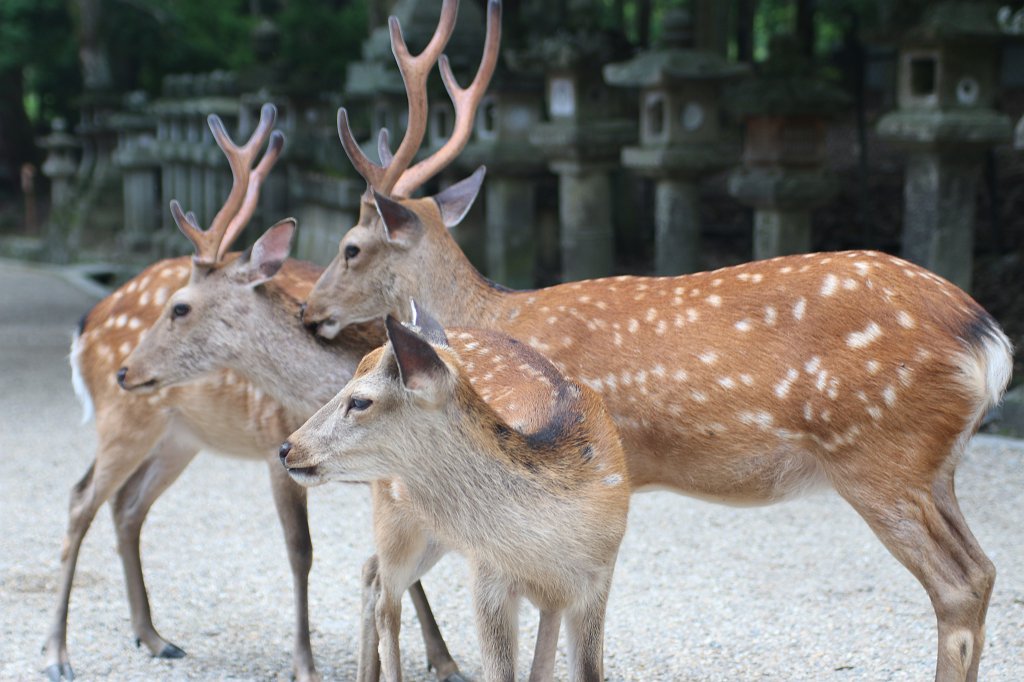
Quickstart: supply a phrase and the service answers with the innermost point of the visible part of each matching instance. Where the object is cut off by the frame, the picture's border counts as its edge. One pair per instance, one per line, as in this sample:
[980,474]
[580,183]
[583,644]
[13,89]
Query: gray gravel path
[799,591]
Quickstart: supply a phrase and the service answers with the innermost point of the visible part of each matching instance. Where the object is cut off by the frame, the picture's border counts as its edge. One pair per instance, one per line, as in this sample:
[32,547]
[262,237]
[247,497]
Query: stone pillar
[676,227]
[585,213]
[136,156]
[510,245]
[780,232]
[939,193]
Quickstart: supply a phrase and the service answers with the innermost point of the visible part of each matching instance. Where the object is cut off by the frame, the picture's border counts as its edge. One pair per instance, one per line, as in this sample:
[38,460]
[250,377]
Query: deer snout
[286,447]
[125,382]
[319,322]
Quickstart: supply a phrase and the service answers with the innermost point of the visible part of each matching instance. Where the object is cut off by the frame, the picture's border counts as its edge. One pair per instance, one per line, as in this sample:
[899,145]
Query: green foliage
[318,40]
[148,39]
[35,37]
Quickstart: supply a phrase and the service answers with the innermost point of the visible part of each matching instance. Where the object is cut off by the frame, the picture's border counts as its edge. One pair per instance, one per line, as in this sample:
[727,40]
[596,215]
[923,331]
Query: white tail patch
[77,382]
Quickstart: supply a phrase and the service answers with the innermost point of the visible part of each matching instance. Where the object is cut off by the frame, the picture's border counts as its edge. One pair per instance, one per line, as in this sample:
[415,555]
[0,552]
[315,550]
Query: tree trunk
[16,140]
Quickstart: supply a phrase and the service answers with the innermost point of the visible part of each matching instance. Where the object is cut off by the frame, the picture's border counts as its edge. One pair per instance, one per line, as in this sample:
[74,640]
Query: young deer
[745,385]
[150,433]
[486,443]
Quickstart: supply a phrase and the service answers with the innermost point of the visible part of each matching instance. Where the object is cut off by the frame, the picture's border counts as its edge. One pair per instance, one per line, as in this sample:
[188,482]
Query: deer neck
[457,294]
[290,364]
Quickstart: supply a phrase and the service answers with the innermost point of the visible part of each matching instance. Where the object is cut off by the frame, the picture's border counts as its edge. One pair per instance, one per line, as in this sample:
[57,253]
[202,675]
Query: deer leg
[369,639]
[116,458]
[290,499]
[543,668]
[497,611]
[438,656]
[130,506]
[925,531]
[585,634]
[405,552]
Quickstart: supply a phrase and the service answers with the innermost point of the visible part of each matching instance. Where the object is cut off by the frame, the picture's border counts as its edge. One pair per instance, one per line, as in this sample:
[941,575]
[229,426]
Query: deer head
[193,334]
[390,224]
[401,395]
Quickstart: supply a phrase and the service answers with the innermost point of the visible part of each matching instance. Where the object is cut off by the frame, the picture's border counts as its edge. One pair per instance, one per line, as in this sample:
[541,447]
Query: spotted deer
[486,443]
[150,432]
[746,385]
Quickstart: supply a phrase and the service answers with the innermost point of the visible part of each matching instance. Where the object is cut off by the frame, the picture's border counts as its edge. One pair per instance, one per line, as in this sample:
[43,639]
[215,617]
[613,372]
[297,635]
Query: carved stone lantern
[785,109]
[60,164]
[946,93]
[681,138]
[512,107]
[581,142]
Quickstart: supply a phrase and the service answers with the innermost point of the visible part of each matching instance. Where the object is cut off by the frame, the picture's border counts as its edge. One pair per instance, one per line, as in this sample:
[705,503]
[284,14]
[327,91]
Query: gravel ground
[799,591]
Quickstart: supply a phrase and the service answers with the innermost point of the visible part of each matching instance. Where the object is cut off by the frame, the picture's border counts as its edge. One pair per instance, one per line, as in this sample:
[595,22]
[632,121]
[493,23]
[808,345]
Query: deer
[746,385]
[150,426]
[487,442]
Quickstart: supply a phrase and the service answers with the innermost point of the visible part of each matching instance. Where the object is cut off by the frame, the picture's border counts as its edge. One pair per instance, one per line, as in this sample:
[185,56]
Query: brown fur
[744,385]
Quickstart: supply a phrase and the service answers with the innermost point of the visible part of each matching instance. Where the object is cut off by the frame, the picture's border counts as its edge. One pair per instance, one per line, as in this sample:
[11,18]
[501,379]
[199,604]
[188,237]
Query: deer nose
[286,447]
[121,374]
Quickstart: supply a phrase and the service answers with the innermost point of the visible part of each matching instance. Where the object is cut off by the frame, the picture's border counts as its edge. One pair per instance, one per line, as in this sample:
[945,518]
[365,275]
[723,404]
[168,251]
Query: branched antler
[393,175]
[212,243]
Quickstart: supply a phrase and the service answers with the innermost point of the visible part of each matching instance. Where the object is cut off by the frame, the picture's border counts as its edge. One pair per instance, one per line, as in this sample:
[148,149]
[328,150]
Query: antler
[211,244]
[415,71]
[465,101]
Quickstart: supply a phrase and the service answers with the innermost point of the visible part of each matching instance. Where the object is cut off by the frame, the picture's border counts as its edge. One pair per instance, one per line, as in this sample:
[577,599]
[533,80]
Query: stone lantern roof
[955,22]
[672,60]
[786,85]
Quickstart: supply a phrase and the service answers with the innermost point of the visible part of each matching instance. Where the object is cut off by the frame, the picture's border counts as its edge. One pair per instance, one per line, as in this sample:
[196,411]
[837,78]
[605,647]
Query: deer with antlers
[151,425]
[747,385]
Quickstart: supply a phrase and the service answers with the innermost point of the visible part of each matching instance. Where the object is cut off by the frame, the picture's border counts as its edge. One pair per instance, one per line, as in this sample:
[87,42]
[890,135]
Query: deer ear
[401,226]
[418,363]
[430,328]
[455,201]
[269,252]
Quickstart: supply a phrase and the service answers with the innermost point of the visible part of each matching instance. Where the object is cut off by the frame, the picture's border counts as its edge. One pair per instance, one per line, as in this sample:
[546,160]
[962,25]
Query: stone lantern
[946,120]
[60,164]
[581,141]
[785,109]
[681,139]
[511,108]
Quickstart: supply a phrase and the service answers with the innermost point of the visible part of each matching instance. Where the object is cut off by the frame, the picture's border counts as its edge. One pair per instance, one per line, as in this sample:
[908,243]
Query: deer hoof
[171,651]
[59,671]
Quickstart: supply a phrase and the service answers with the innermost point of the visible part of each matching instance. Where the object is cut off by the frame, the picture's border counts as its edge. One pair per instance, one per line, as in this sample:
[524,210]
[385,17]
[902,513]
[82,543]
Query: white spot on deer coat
[612,480]
[889,395]
[799,308]
[144,298]
[782,388]
[905,320]
[680,375]
[726,382]
[872,366]
[708,357]
[812,365]
[633,326]
[743,326]
[714,300]
[770,315]
[863,338]
[828,286]
[134,323]
[160,297]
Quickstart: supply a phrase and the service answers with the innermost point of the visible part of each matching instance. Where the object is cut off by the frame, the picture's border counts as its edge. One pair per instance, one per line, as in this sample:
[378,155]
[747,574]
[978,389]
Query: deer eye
[180,310]
[358,404]
[351,251]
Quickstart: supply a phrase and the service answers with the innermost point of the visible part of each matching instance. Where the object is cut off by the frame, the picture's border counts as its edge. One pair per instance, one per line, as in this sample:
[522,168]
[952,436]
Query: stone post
[585,214]
[136,156]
